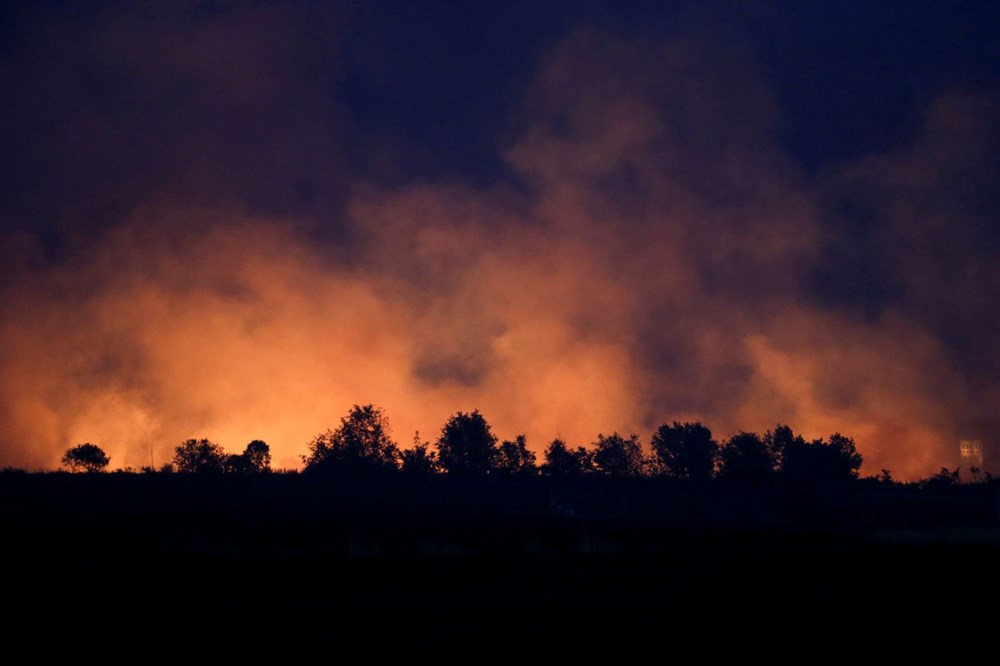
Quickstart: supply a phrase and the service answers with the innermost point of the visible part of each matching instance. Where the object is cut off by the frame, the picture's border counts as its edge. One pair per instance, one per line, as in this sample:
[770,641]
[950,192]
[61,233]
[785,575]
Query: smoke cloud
[200,257]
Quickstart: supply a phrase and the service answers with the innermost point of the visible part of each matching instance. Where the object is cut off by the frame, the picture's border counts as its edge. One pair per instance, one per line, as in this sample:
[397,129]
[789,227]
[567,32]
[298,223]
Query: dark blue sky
[442,83]
[848,76]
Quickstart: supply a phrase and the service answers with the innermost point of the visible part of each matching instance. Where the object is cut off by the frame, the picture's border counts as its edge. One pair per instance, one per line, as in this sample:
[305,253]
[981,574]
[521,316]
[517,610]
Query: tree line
[362,444]
[467,446]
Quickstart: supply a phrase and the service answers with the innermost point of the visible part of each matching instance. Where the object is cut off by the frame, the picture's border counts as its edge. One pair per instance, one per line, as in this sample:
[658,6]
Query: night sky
[235,220]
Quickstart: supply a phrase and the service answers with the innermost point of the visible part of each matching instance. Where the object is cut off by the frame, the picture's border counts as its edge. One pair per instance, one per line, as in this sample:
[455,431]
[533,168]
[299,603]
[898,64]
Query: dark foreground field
[297,567]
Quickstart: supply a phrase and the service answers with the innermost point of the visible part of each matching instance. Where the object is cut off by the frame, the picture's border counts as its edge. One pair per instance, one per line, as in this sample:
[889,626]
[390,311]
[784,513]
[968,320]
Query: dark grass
[291,565]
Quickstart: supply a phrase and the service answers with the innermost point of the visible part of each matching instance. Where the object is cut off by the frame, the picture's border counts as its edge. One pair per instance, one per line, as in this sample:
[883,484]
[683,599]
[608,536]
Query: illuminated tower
[971,451]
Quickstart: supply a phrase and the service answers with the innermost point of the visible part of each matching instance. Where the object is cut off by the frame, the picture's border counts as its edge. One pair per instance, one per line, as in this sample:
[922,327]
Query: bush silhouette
[616,455]
[685,450]
[513,457]
[200,456]
[561,461]
[86,457]
[745,460]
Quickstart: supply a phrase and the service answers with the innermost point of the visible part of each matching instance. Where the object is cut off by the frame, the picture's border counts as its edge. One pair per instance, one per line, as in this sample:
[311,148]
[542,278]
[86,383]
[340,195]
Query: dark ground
[191,566]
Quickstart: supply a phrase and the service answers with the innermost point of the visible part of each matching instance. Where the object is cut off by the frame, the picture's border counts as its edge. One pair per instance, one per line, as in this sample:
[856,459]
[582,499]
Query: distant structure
[971,452]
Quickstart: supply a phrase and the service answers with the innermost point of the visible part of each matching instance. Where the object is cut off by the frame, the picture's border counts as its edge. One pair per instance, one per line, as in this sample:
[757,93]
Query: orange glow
[235,329]
[650,269]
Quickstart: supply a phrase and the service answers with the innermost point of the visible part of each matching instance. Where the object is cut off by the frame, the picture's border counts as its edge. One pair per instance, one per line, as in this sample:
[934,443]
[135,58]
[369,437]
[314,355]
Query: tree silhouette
[237,463]
[685,450]
[419,459]
[885,477]
[561,461]
[200,456]
[745,460]
[616,455]
[361,443]
[258,456]
[513,457]
[845,459]
[944,479]
[820,462]
[255,459]
[86,457]
[779,440]
[467,445]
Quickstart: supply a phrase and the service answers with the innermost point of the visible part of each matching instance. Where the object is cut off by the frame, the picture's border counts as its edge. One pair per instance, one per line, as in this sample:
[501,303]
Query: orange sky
[648,268]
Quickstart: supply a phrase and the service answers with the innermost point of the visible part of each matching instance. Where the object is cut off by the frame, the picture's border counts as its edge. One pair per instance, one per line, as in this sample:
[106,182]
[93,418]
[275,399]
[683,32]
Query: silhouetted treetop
[255,459]
[86,457]
[236,463]
[685,450]
[258,456]
[513,457]
[560,460]
[820,462]
[200,456]
[846,460]
[944,479]
[419,459]
[779,440]
[616,455]
[745,460]
[467,445]
[361,443]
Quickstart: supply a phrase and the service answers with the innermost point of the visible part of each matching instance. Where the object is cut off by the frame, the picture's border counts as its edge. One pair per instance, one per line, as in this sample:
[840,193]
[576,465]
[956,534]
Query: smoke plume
[191,251]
